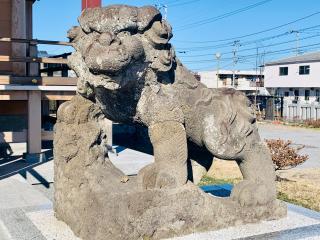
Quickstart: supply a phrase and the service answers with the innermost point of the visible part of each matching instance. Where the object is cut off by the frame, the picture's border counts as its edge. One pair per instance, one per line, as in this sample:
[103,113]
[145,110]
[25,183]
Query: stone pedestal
[98,201]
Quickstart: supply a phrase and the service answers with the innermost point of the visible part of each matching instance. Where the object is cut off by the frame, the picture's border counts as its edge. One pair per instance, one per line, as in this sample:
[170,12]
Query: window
[283,71]
[296,94]
[286,94]
[304,70]
[306,95]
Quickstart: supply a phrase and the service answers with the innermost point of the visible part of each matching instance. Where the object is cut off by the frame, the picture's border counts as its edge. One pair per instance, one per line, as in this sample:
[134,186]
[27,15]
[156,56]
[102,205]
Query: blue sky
[202,28]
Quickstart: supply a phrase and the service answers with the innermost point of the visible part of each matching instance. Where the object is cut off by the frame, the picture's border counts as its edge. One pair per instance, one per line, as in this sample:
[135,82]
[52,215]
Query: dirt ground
[298,186]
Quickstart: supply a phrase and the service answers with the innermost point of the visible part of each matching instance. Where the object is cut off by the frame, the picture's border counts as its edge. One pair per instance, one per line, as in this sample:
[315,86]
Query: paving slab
[16,193]
[300,223]
[130,161]
[4,232]
[17,226]
[50,227]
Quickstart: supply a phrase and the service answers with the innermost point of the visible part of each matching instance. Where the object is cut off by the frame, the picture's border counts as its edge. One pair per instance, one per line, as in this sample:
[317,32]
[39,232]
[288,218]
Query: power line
[248,49]
[225,15]
[171,2]
[263,31]
[243,61]
[202,48]
[252,55]
[183,3]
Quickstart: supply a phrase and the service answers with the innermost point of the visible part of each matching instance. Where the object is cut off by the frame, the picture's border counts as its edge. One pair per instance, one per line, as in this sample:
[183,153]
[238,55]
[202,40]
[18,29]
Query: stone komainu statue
[128,70]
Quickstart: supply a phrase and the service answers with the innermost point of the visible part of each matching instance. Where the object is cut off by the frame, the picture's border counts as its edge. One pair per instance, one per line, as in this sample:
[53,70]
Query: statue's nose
[106,39]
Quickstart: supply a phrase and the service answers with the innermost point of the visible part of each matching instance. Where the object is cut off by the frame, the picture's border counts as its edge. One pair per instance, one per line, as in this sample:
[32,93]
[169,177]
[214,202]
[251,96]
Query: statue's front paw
[147,176]
[154,176]
[249,193]
[165,180]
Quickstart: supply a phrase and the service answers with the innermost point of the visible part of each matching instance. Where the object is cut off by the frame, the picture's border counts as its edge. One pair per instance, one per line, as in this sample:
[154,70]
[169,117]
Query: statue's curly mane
[119,44]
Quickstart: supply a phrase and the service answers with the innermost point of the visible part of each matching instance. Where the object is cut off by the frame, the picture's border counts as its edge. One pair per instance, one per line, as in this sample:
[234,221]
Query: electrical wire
[183,3]
[222,16]
[253,48]
[262,31]
[255,41]
[253,55]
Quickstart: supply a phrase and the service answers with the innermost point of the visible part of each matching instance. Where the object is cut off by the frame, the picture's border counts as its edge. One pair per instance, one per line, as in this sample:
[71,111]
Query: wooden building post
[18,30]
[34,122]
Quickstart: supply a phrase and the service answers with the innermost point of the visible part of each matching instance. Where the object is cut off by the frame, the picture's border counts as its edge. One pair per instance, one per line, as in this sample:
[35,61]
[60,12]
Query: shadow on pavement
[14,165]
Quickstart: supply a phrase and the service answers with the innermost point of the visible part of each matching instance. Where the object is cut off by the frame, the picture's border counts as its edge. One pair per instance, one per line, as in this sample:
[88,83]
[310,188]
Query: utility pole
[236,45]
[256,92]
[297,33]
[218,56]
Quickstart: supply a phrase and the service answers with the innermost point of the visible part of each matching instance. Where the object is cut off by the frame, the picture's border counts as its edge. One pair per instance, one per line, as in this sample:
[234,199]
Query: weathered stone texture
[98,202]
[128,73]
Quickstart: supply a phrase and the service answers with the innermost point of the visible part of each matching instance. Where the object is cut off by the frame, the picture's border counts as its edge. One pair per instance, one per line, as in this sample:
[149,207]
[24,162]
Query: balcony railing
[35,77]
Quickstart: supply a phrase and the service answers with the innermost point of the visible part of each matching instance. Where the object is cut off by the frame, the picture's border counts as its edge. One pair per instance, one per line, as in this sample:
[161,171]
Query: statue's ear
[147,15]
[73,33]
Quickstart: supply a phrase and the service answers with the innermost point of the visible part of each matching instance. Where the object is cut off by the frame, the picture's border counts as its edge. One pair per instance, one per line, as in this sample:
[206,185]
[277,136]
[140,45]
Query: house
[296,79]
[249,82]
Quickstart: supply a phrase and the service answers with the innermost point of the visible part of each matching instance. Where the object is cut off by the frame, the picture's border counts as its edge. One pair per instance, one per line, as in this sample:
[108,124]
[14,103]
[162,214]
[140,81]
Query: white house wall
[209,79]
[293,79]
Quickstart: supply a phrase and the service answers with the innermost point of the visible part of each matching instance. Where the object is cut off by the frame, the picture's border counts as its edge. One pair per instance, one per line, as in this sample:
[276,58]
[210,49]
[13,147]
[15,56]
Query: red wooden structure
[90,3]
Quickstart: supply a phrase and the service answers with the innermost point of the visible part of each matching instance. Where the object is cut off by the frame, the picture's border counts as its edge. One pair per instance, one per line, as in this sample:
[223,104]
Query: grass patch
[302,186]
[298,193]
[206,180]
[306,204]
[284,197]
